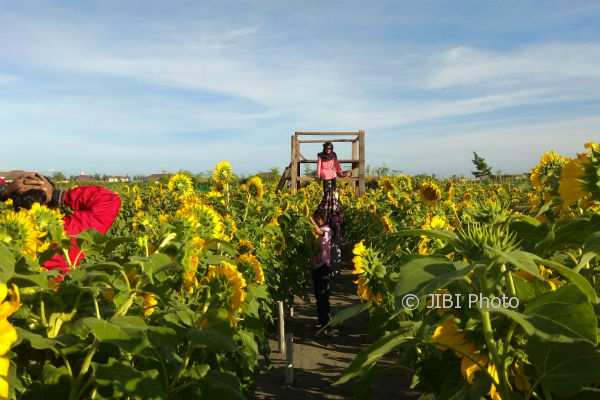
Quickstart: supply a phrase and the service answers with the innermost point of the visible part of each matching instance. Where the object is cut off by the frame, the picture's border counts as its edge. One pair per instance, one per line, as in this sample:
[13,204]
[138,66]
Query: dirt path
[320,361]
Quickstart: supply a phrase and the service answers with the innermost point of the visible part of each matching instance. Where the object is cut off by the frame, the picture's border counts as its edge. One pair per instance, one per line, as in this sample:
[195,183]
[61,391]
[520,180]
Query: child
[321,271]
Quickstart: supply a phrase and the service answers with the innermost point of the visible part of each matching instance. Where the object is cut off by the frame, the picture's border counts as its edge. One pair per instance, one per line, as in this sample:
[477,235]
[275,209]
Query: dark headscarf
[327,157]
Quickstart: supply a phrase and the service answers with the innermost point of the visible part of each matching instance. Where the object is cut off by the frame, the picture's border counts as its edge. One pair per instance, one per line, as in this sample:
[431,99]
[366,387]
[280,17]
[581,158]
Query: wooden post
[281,330]
[289,364]
[355,165]
[361,163]
[294,169]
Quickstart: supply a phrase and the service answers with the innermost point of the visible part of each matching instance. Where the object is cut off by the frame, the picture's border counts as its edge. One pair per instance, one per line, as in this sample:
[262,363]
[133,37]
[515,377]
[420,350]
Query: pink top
[324,256]
[328,169]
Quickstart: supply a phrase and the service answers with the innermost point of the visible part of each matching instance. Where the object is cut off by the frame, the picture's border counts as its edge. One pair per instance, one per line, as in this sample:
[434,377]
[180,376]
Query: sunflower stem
[491,345]
[43,313]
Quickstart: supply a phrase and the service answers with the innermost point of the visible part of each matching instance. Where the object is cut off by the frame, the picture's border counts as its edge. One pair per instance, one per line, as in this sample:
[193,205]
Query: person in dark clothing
[321,271]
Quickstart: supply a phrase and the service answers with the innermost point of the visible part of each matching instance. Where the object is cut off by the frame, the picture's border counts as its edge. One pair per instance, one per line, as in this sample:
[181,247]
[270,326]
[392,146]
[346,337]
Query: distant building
[157,177]
[117,179]
[83,178]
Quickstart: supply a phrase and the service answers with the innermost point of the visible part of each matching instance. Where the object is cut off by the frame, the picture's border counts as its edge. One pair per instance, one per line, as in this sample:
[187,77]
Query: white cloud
[551,64]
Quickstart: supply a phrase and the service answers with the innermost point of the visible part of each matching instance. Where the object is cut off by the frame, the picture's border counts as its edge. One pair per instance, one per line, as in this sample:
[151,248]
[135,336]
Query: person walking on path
[321,271]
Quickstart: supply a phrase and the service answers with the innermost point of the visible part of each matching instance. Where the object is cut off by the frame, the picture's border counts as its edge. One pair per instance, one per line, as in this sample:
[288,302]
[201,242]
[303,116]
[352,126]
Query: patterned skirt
[330,205]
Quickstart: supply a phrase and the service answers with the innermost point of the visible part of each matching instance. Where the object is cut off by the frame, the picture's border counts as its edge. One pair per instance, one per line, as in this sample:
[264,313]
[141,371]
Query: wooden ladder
[284,177]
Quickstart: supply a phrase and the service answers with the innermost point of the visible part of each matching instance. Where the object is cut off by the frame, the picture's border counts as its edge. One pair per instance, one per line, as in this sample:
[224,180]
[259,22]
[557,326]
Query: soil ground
[319,361]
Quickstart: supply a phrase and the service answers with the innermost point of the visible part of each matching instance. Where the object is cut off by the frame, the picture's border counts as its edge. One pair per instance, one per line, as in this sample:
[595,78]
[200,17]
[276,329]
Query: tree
[308,170]
[58,176]
[275,173]
[482,169]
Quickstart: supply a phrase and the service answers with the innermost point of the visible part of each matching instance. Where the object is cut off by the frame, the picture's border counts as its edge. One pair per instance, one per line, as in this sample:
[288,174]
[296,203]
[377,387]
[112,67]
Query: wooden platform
[292,176]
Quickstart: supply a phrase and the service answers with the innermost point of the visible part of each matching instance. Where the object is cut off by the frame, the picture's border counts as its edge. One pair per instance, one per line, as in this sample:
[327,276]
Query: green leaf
[563,316]
[366,358]
[40,279]
[222,386]
[249,346]
[130,339]
[526,290]
[257,291]
[7,263]
[592,243]
[575,278]
[197,372]
[565,368]
[586,258]
[520,259]
[216,259]
[214,340]
[434,233]
[347,313]
[421,275]
[156,263]
[113,243]
[36,341]
[126,380]
[52,375]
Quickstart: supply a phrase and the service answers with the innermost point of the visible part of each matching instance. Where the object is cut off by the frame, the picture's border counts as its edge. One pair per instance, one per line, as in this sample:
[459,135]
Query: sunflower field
[174,301]
[178,298]
[535,242]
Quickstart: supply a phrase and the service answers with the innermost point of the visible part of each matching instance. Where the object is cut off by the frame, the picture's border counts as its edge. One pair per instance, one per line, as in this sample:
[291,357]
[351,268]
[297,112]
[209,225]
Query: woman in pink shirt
[328,166]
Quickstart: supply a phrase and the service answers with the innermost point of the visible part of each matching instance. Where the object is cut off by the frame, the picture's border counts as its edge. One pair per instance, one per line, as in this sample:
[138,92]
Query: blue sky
[142,86]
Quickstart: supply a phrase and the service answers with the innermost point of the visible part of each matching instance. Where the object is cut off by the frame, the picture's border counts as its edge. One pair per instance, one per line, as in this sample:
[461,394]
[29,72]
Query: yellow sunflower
[548,167]
[365,293]
[191,260]
[249,262]
[138,203]
[17,230]
[448,335]
[450,189]
[388,224]
[430,193]
[150,304]
[180,184]
[570,187]
[256,187]
[386,185]
[231,283]
[521,382]
[591,146]
[591,176]
[8,307]
[48,222]
[435,222]
[223,172]
[8,333]
[404,183]
[203,220]
[230,227]
[245,246]
[468,367]
[360,249]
